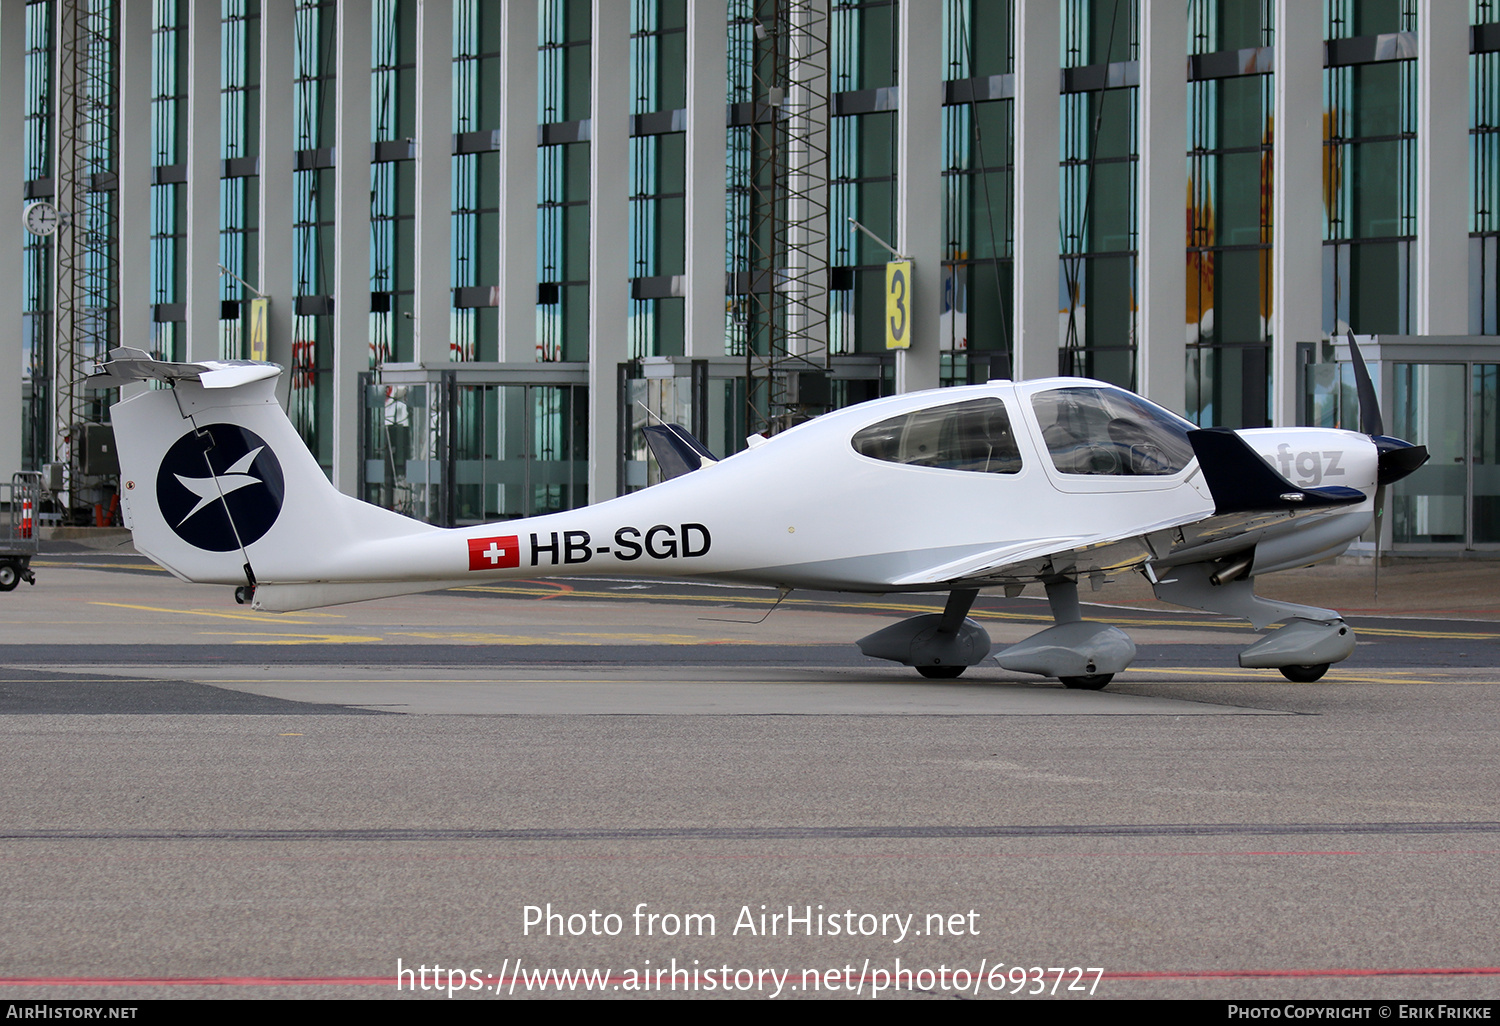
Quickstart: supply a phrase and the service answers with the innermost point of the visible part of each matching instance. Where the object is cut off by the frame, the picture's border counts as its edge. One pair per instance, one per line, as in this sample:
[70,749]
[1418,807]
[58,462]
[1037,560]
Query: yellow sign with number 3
[898,304]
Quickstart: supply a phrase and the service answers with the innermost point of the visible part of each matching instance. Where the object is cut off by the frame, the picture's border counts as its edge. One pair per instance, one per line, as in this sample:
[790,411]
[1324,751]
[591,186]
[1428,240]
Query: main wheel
[1304,674]
[941,672]
[1093,682]
[9,577]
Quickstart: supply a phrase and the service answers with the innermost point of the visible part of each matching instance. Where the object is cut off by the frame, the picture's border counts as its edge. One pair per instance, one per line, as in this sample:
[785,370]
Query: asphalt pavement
[639,782]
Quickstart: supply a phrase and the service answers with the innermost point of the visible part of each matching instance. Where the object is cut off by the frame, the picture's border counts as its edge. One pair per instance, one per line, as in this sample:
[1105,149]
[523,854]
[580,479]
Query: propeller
[1395,458]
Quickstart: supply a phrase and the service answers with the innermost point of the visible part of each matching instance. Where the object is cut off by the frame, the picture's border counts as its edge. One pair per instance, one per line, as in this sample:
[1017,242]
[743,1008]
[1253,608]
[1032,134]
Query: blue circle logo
[220,487]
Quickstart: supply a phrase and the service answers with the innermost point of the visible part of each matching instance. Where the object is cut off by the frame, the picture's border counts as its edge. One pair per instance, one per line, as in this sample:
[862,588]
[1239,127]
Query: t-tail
[217,486]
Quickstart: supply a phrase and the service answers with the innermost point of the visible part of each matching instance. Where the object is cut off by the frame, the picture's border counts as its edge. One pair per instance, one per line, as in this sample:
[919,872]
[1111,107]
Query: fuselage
[807,509]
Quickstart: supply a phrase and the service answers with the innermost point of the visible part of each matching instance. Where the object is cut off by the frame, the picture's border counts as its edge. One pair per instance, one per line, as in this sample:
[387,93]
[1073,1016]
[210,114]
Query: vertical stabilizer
[217,486]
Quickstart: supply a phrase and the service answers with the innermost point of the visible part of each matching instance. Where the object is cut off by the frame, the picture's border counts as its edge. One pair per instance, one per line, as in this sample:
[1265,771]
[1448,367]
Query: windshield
[1108,431]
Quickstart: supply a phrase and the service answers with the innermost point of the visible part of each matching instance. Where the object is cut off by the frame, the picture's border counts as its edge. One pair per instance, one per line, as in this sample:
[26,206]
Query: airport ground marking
[278,638]
[1261,676]
[529,587]
[476,637]
[74,565]
[254,617]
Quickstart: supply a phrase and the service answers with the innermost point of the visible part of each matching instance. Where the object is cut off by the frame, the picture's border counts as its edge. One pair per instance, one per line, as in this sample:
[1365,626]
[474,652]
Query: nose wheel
[1304,674]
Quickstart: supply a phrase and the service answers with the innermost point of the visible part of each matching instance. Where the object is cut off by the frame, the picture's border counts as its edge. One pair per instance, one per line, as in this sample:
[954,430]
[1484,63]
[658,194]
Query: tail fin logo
[220,487]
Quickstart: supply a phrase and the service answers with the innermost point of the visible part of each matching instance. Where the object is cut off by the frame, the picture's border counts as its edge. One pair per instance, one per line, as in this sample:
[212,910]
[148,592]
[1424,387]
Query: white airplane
[1007,484]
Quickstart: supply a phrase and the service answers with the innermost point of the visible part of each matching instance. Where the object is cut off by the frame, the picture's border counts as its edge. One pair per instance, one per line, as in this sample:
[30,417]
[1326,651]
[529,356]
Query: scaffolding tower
[86,264]
[785,294]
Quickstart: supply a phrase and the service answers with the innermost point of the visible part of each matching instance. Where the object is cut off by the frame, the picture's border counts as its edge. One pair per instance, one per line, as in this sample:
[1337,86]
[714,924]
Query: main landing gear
[941,646]
[1084,656]
[1304,674]
[1092,682]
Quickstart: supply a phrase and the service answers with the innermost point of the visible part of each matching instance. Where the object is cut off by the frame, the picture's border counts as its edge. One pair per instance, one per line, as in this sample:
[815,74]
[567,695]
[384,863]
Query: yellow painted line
[278,638]
[1196,671]
[252,616]
[58,564]
[523,590]
[1341,678]
[570,639]
[1397,632]
[693,682]
[477,637]
[636,635]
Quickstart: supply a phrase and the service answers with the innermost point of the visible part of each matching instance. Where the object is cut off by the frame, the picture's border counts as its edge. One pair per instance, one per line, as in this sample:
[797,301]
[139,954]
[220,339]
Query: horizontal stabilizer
[677,452]
[125,365]
[1242,482]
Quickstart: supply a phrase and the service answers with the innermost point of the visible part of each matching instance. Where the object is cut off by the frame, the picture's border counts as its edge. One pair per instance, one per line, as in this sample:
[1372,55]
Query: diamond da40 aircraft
[1006,484]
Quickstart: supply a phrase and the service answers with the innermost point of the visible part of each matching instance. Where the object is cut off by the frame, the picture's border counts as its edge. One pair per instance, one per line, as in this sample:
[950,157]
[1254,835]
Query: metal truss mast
[787,343]
[86,268]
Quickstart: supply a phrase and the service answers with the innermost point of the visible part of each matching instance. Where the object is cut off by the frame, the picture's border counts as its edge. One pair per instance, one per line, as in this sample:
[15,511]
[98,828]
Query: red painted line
[196,981]
[1289,974]
[779,856]
[387,981]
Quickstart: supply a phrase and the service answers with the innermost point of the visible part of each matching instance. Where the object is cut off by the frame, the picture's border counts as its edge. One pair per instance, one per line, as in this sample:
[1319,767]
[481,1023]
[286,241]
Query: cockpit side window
[975,436]
[1110,432]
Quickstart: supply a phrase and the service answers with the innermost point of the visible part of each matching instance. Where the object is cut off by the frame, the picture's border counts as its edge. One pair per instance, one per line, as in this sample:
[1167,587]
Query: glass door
[1430,507]
[1484,455]
[1454,410]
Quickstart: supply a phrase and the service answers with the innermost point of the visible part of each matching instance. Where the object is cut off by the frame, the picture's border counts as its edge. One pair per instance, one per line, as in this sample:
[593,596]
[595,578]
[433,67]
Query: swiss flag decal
[494,553]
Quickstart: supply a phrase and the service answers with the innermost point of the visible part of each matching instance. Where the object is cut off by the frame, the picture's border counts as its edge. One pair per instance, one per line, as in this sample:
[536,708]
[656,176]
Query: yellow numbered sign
[258,311]
[898,304]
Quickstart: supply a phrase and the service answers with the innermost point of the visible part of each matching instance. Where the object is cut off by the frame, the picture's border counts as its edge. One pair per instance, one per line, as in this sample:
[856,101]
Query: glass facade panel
[1484,458]
[1429,506]
[1098,210]
[1369,193]
[657,171]
[311,384]
[1369,172]
[36,260]
[457,454]
[1484,180]
[1229,231]
[978,200]
[562,182]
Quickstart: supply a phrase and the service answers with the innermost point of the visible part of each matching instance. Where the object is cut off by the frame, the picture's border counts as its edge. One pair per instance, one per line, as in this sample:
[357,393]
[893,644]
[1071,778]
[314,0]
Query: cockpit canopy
[1112,432]
[1087,429]
[974,436]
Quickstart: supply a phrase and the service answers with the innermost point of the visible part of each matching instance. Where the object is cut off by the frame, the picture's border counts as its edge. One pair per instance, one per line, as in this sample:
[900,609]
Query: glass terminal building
[488,238]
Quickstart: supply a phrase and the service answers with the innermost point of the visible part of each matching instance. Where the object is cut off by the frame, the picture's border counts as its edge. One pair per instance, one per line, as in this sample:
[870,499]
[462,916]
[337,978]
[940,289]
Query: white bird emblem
[209,489]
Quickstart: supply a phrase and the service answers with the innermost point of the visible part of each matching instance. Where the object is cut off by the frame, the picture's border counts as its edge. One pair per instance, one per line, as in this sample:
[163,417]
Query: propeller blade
[1379,519]
[1369,405]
